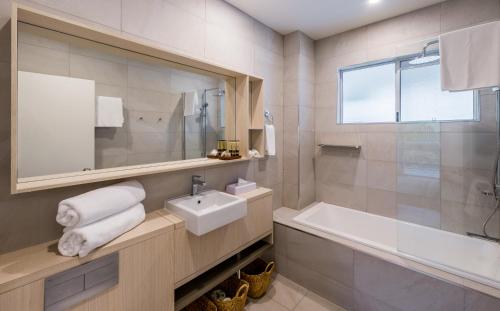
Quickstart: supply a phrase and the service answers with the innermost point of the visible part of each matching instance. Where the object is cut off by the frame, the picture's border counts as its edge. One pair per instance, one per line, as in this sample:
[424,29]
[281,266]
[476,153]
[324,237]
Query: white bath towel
[100,203]
[81,241]
[190,103]
[270,140]
[470,57]
[109,112]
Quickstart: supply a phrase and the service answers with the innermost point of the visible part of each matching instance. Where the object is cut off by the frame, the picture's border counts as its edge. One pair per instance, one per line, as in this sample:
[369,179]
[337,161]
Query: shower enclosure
[206,125]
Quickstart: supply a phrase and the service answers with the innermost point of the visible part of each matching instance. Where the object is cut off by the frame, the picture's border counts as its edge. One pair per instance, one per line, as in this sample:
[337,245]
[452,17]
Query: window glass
[423,100]
[369,95]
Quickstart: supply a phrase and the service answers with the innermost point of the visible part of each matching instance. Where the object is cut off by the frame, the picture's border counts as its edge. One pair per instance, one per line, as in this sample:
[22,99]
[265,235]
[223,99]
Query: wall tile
[466,186]
[402,288]
[414,24]
[268,38]
[381,202]
[144,78]
[230,18]
[342,195]
[461,13]
[107,13]
[365,302]
[418,209]
[161,21]
[477,301]
[43,60]
[477,150]
[462,218]
[331,260]
[95,69]
[223,47]
[381,175]
[320,285]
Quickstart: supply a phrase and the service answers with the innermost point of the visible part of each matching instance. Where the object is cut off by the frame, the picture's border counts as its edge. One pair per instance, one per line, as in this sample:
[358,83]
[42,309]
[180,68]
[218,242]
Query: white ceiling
[322,18]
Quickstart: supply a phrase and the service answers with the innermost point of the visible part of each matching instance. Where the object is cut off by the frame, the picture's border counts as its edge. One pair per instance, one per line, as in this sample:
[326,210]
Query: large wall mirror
[84,106]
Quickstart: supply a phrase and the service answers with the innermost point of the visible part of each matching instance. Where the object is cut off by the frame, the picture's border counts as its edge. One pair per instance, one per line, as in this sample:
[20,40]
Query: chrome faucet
[196,184]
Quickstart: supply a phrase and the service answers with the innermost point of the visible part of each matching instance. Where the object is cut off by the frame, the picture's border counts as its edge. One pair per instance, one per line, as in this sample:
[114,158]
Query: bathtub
[471,258]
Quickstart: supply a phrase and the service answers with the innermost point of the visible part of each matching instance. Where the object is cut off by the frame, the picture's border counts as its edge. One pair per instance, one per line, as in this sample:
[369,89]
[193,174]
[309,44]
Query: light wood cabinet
[146,272]
[24,298]
[146,279]
[196,254]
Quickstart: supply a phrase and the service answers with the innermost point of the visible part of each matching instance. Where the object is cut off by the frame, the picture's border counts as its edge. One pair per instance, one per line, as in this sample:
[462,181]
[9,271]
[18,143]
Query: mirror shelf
[243,100]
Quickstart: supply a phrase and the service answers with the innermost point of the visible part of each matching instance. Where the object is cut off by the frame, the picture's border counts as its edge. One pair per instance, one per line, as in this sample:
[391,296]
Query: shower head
[425,58]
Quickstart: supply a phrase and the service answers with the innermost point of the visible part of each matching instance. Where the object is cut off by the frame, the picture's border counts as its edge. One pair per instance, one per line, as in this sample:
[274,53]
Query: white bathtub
[471,258]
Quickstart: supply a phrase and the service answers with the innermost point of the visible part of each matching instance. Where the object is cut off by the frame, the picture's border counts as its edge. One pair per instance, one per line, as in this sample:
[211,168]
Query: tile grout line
[298,303]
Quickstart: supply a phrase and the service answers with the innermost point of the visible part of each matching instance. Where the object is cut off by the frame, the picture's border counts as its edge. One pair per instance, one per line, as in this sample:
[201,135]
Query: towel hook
[269,116]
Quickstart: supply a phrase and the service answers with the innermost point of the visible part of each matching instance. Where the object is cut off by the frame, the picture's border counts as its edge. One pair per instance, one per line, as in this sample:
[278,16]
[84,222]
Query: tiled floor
[285,295]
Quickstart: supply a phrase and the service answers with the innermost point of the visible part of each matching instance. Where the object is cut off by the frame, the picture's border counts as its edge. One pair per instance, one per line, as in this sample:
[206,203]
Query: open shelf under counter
[202,284]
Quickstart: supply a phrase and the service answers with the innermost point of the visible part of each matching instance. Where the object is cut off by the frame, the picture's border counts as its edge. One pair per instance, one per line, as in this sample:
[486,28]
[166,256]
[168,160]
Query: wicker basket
[201,304]
[236,288]
[258,275]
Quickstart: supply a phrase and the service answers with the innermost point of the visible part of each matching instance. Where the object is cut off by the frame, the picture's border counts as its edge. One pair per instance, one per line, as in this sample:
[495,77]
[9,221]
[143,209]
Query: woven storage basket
[258,275]
[201,304]
[236,288]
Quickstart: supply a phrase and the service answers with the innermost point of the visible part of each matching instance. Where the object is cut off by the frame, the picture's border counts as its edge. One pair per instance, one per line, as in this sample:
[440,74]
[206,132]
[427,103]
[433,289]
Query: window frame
[397,61]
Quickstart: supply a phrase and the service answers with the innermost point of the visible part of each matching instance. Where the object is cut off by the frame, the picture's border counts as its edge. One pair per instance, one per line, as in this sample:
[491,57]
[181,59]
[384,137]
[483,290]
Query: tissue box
[241,188]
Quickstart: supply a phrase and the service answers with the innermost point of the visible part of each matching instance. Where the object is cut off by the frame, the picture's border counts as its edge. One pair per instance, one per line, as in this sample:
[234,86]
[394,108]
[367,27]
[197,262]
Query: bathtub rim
[284,216]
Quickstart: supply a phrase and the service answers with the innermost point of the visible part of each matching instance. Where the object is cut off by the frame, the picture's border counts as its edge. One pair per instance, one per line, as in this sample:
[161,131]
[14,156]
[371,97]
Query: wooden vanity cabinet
[146,276]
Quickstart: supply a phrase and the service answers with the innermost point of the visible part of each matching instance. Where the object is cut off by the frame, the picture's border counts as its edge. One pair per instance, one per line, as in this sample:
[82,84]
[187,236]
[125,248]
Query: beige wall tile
[228,48]
[381,202]
[381,175]
[461,13]
[402,288]
[160,21]
[43,60]
[95,69]
[107,13]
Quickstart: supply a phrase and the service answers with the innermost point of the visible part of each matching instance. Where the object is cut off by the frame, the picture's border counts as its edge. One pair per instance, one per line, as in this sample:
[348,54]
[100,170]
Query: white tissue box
[241,188]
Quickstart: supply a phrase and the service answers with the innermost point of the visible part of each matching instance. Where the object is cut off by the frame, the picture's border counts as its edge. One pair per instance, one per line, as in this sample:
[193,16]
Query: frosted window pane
[423,100]
[369,94]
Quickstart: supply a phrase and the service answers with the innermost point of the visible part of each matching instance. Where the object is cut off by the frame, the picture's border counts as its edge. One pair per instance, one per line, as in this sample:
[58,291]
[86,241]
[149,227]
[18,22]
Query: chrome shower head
[425,58]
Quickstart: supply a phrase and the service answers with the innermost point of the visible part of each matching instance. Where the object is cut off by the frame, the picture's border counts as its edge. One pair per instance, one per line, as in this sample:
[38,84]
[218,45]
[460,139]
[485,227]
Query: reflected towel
[270,140]
[81,241]
[109,112]
[190,103]
[100,203]
[470,58]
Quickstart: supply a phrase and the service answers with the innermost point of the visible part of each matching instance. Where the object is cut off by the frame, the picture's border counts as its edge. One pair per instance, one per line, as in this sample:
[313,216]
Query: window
[396,91]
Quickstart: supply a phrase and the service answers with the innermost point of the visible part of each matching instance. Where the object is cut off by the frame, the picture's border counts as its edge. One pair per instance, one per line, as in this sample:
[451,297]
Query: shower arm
[430,43]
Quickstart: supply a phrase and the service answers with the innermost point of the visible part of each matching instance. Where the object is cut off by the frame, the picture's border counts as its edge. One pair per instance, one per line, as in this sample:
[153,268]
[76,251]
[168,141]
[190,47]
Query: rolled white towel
[82,240]
[97,204]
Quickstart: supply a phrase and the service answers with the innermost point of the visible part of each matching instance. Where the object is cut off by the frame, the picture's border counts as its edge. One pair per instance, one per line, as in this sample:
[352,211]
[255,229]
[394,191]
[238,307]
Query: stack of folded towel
[95,218]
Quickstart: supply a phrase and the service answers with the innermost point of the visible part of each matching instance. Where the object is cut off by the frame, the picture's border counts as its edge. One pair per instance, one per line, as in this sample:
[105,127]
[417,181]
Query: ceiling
[322,18]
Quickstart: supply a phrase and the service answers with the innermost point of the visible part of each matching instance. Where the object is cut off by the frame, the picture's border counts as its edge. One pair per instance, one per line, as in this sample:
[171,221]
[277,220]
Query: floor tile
[314,302]
[264,304]
[285,292]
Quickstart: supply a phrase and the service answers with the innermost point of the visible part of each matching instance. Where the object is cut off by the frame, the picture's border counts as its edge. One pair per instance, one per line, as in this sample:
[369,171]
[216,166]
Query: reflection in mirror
[84,106]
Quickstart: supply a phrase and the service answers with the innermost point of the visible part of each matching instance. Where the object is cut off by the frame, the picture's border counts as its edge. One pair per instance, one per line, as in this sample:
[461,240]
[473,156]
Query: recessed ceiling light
[373,1]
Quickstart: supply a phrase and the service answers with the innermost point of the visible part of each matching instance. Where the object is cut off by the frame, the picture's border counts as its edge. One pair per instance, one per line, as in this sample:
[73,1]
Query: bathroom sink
[208,210]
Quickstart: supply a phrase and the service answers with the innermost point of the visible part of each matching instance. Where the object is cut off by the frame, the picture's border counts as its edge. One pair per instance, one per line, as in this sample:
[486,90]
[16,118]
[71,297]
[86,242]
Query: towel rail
[357,147]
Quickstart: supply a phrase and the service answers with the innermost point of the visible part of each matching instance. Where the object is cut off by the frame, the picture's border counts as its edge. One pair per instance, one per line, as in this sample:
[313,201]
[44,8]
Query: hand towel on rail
[270,140]
[100,203]
[82,240]
[190,103]
[109,112]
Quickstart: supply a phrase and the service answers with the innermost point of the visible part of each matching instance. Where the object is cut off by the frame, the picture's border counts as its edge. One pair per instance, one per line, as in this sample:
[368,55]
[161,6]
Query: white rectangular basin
[208,210]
